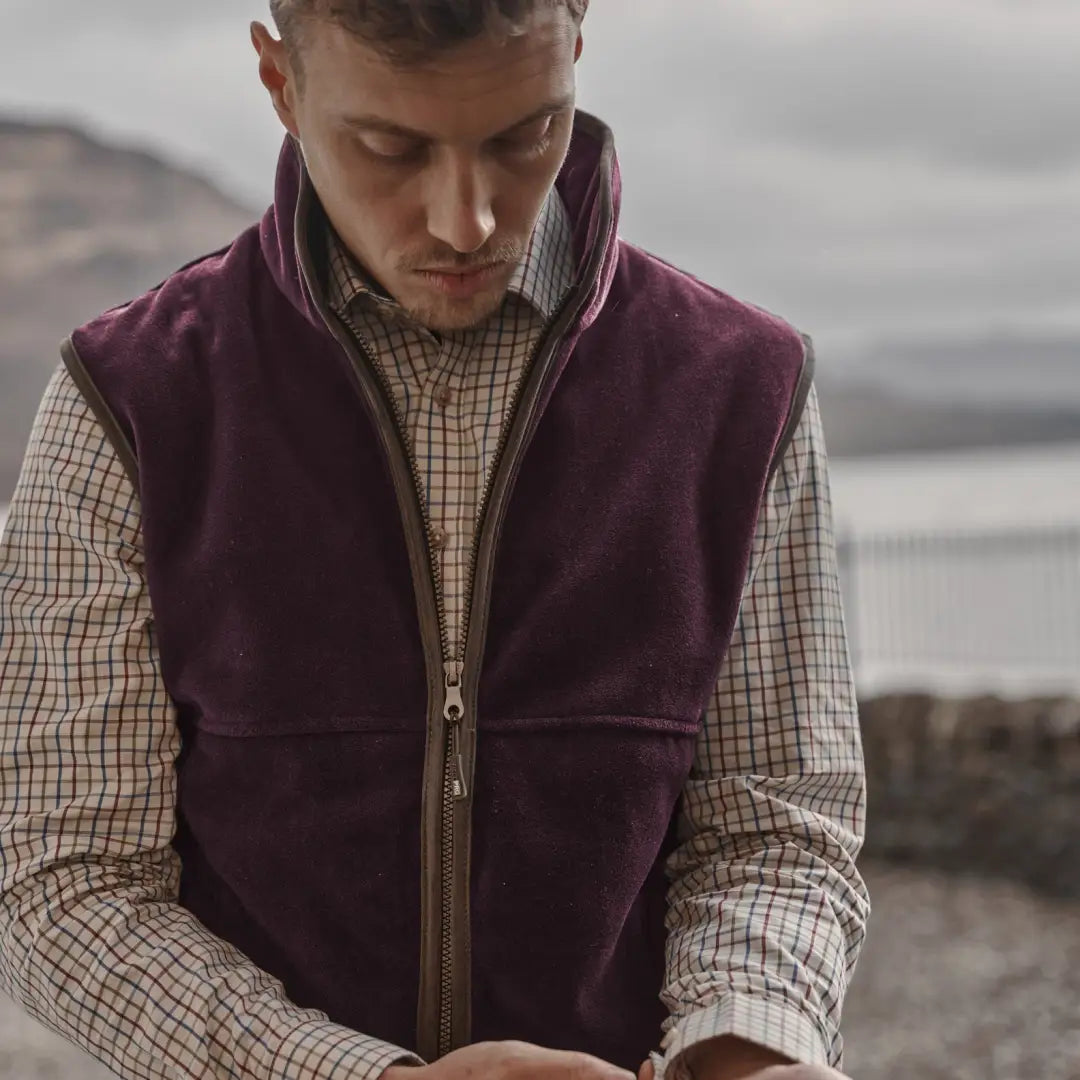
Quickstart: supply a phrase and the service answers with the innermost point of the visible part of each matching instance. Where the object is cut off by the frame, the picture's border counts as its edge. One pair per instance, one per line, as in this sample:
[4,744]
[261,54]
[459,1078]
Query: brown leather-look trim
[523,426]
[113,431]
[308,211]
[798,405]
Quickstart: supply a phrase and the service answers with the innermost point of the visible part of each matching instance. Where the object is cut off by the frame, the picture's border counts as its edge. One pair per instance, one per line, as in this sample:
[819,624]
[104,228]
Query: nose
[460,207]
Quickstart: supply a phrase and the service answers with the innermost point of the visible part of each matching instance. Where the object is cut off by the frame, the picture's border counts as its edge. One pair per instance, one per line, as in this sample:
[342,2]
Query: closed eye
[392,147]
[527,141]
[531,140]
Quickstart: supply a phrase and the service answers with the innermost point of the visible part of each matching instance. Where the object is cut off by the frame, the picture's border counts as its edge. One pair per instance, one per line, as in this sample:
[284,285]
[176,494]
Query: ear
[578,47]
[276,74]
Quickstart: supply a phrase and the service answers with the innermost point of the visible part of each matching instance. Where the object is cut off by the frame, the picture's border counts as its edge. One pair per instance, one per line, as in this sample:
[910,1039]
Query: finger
[579,1066]
[646,1072]
[797,1072]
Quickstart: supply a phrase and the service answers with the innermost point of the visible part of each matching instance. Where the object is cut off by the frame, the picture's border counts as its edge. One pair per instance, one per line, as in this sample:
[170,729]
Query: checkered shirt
[767,911]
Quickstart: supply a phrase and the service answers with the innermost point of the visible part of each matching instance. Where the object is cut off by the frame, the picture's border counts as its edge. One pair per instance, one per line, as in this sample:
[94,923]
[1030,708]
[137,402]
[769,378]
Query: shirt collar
[540,279]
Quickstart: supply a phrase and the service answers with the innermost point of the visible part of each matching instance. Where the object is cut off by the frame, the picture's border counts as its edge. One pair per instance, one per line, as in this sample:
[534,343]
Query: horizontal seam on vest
[297,728]
[591,720]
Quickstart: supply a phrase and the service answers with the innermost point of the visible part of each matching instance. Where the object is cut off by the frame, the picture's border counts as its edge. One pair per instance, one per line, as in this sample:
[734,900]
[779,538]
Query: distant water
[971,489]
[963,573]
[979,614]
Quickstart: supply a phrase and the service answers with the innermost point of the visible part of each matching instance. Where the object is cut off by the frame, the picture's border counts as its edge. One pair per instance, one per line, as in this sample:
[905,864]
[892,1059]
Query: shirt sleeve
[767,912]
[93,941]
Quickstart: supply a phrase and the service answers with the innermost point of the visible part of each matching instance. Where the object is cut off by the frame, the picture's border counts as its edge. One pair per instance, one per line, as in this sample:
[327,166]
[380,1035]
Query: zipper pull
[454,705]
[453,712]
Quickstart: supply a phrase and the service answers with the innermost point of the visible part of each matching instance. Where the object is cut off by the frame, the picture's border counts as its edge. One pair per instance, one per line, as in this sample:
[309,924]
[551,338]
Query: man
[421,636]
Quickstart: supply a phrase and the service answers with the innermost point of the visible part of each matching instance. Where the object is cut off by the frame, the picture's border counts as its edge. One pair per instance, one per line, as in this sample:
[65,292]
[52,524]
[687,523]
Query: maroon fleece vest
[292,604]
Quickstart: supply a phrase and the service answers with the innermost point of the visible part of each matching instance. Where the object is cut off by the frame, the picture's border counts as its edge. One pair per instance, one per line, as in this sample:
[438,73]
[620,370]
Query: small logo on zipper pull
[460,790]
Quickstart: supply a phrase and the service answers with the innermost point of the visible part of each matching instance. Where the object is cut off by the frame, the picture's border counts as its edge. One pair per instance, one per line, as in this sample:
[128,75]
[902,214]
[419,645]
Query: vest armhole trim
[798,405]
[98,406]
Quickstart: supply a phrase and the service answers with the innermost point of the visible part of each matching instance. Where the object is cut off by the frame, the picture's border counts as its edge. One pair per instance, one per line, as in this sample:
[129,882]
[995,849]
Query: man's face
[438,167]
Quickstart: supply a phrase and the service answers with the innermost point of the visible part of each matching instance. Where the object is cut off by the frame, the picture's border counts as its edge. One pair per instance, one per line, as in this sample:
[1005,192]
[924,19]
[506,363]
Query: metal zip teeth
[446,966]
[500,449]
[446,959]
[356,342]
[418,483]
[446,952]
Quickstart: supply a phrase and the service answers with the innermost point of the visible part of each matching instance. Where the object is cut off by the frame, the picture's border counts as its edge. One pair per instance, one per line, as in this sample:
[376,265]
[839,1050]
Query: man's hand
[772,1072]
[797,1072]
[510,1060]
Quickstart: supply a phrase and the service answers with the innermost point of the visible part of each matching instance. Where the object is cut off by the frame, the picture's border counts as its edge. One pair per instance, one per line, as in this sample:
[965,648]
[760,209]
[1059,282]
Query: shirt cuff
[776,1025]
[323,1050]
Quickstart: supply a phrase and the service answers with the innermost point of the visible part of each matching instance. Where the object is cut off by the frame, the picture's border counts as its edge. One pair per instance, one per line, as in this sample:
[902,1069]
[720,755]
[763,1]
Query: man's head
[433,131]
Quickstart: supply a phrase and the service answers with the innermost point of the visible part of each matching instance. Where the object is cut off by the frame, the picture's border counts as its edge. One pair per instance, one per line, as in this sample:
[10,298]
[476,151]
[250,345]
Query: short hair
[412,31]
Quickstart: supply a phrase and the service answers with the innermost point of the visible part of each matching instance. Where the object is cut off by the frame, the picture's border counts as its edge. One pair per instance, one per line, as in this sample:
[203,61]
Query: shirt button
[440,538]
[443,396]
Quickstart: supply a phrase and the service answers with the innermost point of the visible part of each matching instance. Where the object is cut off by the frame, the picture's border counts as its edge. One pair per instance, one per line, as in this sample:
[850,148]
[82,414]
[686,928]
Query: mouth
[460,284]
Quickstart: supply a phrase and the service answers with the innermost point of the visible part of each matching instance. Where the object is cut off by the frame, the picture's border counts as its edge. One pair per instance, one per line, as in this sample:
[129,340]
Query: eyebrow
[388,127]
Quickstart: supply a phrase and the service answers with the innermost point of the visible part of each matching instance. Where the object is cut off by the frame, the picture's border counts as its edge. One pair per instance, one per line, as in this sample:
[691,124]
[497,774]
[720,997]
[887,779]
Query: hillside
[83,227]
[863,419]
[991,369]
[899,396]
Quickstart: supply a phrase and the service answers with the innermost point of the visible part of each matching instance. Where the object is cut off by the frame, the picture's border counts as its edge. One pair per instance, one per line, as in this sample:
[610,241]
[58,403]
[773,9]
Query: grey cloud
[126,19]
[756,158]
[936,98]
[991,85]
[964,254]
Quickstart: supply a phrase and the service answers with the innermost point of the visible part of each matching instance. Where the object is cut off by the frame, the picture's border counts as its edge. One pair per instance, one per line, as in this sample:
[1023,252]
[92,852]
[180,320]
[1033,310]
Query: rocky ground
[960,979]
[963,979]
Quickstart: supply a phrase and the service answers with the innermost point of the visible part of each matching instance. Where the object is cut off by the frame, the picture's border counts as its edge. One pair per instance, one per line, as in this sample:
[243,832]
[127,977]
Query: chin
[445,316]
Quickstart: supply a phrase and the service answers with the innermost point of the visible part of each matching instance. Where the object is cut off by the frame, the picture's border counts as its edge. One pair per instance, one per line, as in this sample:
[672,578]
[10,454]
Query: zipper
[427,581]
[455,783]
[454,1005]
[455,780]
[455,787]
[400,427]
[493,472]
[444,1006]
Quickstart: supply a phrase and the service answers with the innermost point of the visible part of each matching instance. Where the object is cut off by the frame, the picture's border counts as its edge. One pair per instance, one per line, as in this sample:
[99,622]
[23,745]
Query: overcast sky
[862,167]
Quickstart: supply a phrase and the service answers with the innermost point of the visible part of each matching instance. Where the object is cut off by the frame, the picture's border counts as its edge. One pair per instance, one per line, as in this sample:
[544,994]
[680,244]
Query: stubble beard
[443,315]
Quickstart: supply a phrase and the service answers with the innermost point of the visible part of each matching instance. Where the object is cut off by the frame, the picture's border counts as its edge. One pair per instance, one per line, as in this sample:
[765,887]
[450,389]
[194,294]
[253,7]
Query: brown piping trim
[113,432]
[592,125]
[798,405]
[432,794]
[522,429]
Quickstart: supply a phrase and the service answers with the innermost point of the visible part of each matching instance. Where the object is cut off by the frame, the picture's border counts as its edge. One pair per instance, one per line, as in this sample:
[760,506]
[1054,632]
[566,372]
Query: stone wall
[980,785]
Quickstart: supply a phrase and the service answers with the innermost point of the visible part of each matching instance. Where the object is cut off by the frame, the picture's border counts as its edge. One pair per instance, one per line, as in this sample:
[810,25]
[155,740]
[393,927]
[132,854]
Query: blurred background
[901,180]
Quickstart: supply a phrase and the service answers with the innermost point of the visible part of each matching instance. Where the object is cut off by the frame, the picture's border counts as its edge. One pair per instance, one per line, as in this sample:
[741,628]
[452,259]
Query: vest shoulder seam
[100,408]
[798,405]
